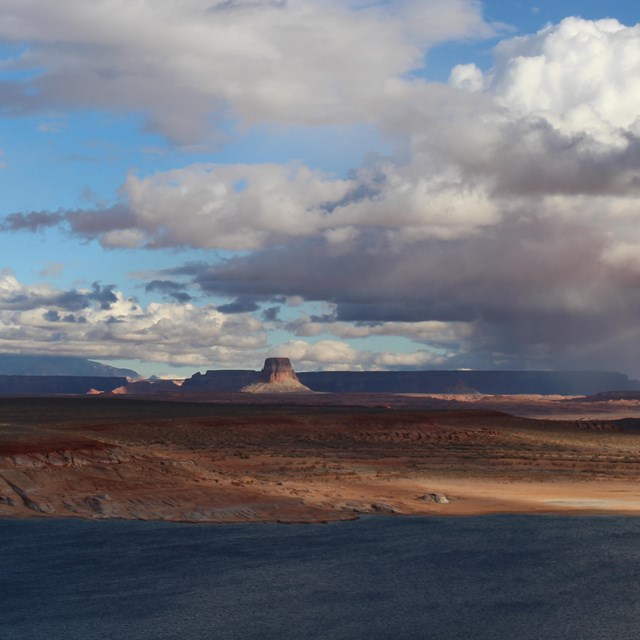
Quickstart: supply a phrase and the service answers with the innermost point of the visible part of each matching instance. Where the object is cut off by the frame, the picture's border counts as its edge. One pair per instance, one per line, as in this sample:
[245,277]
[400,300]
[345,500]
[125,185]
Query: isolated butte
[277,376]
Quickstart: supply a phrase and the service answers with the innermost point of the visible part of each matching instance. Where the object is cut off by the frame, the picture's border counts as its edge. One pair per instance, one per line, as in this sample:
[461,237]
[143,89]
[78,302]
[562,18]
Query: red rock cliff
[277,370]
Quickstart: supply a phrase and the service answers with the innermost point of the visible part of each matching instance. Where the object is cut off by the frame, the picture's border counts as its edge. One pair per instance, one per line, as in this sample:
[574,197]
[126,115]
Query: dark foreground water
[510,577]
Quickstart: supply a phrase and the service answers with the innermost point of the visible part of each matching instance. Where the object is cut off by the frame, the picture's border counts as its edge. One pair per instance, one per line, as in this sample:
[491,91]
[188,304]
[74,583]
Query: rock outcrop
[277,376]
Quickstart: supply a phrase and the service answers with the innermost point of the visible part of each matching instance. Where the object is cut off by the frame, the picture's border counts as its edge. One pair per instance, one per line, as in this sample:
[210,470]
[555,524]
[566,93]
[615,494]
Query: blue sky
[399,184]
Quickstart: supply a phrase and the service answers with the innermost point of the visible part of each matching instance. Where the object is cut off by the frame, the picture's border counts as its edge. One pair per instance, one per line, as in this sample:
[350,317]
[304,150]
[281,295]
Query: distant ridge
[58,385]
[489,382]
[36,365]
[605,396]
[450,382]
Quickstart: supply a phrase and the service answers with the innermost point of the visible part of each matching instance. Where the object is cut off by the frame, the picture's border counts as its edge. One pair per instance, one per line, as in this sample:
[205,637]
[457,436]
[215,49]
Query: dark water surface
[511,577]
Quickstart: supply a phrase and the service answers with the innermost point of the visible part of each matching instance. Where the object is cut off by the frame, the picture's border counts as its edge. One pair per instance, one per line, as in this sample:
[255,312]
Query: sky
[354,184]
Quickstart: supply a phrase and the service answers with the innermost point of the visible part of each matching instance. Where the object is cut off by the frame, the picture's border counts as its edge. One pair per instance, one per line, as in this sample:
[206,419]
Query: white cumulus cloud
[103,323]
[582,76]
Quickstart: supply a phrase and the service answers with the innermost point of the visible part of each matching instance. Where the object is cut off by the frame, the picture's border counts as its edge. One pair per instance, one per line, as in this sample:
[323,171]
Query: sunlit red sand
[314,458]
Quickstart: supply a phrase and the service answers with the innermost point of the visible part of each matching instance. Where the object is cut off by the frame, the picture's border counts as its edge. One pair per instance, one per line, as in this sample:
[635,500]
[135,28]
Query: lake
[524,577]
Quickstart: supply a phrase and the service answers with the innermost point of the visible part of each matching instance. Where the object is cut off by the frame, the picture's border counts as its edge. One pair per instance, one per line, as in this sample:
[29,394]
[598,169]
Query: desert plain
[316,458]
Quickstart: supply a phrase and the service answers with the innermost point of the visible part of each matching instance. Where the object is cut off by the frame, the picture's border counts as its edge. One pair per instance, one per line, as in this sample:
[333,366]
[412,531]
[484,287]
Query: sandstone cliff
[277,376]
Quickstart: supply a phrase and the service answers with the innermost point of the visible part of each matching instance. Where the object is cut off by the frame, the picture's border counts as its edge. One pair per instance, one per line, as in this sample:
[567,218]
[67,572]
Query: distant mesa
[31,375]
[277,376]
[38,375]
[24,385]
[466,382]
[606,396]
[16,364]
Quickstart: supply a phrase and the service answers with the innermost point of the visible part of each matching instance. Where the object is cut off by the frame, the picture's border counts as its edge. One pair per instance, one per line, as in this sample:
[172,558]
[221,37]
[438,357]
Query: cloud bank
[509,212]
[100,322]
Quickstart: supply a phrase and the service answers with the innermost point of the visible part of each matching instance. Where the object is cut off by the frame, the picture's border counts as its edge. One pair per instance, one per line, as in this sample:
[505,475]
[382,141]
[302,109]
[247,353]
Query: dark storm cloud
[68,300]
[187,269]
[169,288]
[532,287]
[533,158]
[239,305]
[271,314]
[54,316]
[71,300]
[325,317]
[103,295]
[51,316]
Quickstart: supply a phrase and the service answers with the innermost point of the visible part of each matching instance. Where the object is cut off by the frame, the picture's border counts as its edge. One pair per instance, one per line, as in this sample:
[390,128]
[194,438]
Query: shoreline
[559,513]
[462,500]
